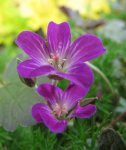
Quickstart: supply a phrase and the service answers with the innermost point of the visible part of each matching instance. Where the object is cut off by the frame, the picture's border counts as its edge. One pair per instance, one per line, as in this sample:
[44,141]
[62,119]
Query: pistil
[56,61]
[59,111]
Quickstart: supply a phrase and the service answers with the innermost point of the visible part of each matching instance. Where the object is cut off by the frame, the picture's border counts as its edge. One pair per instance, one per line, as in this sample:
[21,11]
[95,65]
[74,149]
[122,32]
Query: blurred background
[104,18]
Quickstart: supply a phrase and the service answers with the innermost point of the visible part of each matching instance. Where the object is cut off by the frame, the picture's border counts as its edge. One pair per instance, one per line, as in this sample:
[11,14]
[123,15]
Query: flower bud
[30,82]
[87,101]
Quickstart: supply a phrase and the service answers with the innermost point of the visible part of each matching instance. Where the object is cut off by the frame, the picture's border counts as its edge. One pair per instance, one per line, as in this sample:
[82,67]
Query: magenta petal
[79,74]
[51,93]
[33,45]
[73,94]
[45,113]
[85,112]
[86,47]
[36,110]
[59,37]
[30,68]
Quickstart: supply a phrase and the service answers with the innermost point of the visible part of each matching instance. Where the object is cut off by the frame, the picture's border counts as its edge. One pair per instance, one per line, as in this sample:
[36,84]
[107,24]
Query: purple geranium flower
[61,106]
[58,58]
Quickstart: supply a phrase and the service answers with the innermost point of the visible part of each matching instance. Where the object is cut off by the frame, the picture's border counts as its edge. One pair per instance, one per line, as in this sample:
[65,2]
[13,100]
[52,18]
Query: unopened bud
[30,82]
[87,101]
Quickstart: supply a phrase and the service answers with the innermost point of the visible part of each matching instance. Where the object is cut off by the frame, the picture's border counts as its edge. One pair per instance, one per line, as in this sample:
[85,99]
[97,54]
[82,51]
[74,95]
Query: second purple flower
[61,106]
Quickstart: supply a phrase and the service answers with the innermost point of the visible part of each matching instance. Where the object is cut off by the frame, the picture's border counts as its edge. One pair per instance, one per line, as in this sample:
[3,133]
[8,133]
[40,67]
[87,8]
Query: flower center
[56,61]
[59,111]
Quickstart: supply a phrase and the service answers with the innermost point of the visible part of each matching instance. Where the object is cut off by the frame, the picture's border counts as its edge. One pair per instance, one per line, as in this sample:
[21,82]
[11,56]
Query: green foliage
[83,134]
[28,138]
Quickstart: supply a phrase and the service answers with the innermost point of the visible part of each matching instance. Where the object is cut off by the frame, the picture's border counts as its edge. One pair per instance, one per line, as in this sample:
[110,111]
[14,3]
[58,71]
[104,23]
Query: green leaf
[16,100]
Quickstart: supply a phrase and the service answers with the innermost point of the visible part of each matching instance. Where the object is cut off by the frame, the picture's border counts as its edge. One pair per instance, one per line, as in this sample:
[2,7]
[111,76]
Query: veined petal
[36,111]
[85,48]
[59,37]
[44,112]
[51,93]
[85,112]
[33,45]
[30,68]
[79,74]
[73,94]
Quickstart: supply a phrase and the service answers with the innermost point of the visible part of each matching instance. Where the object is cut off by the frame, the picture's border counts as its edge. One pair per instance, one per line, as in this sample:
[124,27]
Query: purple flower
[61,106]
[58,58]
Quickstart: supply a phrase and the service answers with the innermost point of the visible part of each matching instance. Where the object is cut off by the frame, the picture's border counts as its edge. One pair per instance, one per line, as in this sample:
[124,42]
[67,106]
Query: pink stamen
[56,58]
[59,110]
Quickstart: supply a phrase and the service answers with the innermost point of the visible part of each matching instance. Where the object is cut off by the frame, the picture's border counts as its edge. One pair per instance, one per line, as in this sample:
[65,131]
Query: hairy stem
[97,70]
[54,82]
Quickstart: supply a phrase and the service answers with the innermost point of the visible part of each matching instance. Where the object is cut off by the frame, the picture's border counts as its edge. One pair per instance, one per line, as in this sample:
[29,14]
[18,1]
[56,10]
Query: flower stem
[118,119]
[54,82]
[97,70]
